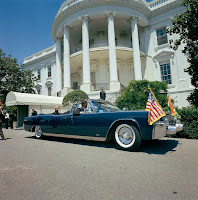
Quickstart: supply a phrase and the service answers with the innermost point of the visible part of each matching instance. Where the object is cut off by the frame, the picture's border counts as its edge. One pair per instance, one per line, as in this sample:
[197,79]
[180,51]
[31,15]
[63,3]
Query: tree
[136,94]
[186,26]
[13,77]
[76,95]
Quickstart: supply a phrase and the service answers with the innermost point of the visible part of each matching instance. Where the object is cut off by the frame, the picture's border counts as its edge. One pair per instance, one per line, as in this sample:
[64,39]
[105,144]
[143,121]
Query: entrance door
[22,112]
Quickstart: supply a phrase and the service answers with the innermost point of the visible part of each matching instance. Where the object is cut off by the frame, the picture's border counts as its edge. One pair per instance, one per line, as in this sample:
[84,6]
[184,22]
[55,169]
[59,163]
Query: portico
[107,39]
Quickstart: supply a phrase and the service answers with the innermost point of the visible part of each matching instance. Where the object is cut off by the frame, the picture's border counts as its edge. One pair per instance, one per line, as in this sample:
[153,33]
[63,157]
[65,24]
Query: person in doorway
[2,119]
[56,111]
[34,113]
[102,94]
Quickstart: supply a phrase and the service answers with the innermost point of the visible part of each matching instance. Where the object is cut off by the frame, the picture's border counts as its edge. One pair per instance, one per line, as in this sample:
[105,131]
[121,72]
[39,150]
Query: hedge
[135,94]
[76,95]
[189,118]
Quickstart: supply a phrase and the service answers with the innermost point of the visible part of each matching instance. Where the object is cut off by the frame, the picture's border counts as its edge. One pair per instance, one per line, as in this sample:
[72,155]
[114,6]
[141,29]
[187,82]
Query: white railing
[40,54]
[98,86]
[76,48]
[157,3]
[104,43]
[68,4]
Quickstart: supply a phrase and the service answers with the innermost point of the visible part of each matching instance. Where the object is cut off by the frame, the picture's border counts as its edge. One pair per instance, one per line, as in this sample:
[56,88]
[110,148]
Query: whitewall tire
[38,132]
[127,137]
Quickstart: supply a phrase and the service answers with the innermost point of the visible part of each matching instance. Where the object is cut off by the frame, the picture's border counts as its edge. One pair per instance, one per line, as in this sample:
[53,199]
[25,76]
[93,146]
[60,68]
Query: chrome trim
[179,127]
[171,129]
[75,136]
[159,130]
[123,120]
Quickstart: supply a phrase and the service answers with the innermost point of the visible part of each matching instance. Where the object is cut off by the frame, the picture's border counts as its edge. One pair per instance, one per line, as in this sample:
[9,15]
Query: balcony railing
[104,43]
[76,48]
[97,87]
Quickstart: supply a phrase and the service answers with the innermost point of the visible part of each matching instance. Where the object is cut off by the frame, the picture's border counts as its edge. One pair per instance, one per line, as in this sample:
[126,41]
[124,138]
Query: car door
[86,124]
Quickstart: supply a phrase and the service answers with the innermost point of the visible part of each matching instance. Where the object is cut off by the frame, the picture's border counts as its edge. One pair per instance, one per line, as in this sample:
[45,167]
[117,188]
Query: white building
[107,43]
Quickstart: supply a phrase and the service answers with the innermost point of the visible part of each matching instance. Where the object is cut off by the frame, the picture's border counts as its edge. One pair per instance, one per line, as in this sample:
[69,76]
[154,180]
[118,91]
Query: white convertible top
[16,98]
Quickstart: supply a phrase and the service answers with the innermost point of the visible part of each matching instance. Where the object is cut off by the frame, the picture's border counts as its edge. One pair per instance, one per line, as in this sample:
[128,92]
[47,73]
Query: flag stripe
[154,108]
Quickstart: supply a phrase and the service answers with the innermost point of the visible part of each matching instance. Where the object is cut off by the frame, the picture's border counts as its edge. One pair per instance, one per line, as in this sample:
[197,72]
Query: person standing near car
[34,113]
[2,119]
[5,113]
[102,94]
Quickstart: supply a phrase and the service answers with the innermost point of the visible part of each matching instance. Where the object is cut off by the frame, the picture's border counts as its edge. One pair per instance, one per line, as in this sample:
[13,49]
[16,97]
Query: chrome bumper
[172,129]
[161,129]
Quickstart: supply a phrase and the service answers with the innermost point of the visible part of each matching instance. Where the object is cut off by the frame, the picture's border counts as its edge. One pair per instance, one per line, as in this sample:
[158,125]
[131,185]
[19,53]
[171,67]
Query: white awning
[16,98]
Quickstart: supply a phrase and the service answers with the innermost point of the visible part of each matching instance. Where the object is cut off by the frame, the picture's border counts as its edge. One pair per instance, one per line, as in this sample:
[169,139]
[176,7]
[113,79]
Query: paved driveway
[56,168]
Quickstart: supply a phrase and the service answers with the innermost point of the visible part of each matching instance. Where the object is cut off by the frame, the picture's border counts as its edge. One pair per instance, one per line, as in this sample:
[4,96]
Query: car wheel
[127,137]
[38,132]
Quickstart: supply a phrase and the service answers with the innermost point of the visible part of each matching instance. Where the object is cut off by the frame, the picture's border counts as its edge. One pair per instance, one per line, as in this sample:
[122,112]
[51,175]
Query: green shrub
[76,95]
[189,118]
[135,95]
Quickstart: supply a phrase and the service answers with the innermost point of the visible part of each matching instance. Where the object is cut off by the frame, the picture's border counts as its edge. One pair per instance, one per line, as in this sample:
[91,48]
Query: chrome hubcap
[38,131]
[125,135]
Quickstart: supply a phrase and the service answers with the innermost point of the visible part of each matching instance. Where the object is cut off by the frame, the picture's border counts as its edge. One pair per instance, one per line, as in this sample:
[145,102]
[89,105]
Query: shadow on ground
[150,147]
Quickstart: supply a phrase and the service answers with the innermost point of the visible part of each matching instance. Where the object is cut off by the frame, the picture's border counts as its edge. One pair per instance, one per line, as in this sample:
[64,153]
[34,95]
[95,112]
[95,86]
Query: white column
[136,49]
[58,80]
[114,84]
[86,58]
[66,54]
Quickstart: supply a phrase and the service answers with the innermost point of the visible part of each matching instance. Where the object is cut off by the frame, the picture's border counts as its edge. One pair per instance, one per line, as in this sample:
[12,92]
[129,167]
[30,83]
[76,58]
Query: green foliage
[186,26]
[76,95]
[136,94]
[13,77]
[189,118]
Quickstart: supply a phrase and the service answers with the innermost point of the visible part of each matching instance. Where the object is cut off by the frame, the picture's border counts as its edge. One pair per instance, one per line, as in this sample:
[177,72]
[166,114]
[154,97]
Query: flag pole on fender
[174,113]
[154,109]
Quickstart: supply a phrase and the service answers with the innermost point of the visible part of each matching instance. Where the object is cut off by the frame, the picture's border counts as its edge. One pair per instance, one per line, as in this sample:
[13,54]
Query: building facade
[107,43]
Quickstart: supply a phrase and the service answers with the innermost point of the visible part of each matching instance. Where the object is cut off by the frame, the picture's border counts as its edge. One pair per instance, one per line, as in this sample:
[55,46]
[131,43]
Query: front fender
[116,122]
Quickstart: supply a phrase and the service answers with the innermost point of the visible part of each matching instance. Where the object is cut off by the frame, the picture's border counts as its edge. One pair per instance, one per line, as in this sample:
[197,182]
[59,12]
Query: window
[75,85]
[39,74]
[49,71]
[161,36]
[49,90]
[166,72]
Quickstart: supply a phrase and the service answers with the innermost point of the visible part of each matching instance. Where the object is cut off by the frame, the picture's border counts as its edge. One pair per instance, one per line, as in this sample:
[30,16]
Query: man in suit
[102,94]
[34,113]
[2,119]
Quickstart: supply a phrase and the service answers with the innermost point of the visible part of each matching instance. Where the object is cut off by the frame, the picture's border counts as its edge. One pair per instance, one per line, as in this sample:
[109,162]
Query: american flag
[154,108]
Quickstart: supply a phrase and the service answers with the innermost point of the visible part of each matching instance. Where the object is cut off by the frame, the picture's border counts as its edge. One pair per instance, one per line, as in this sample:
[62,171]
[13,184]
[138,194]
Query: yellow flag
[174,113]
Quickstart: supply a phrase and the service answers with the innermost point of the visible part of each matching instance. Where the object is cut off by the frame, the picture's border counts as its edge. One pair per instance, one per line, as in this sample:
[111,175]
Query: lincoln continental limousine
[101,120]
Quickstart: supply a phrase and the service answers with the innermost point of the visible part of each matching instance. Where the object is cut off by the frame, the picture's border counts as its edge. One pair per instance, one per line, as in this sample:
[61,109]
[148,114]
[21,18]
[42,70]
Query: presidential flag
[154,108]
[174,113]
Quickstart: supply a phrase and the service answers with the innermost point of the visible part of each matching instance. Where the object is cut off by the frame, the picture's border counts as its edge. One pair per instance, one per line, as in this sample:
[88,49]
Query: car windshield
[100,106]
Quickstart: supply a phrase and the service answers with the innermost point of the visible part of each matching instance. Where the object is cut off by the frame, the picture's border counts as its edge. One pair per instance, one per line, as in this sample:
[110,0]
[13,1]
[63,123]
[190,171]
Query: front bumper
[161,129]
[172,129]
